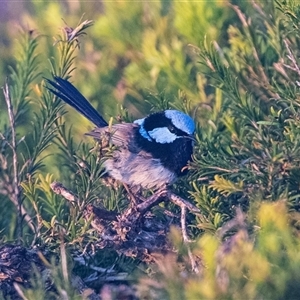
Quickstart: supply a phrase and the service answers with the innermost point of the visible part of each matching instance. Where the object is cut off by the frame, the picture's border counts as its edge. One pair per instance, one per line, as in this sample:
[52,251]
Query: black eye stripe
[158,120]
[178,132]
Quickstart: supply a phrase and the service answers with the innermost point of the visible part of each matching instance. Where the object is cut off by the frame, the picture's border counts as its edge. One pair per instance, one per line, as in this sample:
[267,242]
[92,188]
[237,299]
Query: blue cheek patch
[181,121]
[142,130]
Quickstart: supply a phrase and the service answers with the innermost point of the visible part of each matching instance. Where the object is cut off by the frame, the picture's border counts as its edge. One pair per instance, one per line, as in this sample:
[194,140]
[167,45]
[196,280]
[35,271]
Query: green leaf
[226,187]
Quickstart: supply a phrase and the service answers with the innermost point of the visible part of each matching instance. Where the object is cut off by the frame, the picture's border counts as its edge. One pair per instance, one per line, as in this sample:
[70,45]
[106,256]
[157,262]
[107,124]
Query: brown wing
[121,135]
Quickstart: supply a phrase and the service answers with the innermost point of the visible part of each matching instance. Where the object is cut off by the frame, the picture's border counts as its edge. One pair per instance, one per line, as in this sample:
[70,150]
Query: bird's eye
[172,128]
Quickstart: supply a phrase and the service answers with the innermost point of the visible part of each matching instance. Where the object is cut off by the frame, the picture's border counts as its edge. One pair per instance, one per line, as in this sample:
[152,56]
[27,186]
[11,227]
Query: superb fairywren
[150,152]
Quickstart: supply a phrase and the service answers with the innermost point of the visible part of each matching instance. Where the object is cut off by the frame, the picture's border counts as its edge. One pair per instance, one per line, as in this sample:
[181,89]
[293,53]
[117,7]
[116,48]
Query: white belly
[138,169]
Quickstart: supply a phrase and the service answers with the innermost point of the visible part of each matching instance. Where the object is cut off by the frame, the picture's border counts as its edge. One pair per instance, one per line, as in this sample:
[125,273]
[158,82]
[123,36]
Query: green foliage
[244,267]
[243,91]
[248,154]
[14,162]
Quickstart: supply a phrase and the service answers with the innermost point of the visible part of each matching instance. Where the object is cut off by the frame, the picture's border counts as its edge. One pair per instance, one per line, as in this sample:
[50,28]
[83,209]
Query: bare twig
[258,8]
[15,193]
[122,229]
[64,264]
[186,239]
[182,202]
[4,139]
[183,225]
[19,291]
[59,189]
[13,144]
[153,200]
[292,58]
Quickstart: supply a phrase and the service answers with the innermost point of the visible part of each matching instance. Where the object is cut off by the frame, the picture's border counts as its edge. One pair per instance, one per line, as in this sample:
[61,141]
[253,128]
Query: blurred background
[134,51]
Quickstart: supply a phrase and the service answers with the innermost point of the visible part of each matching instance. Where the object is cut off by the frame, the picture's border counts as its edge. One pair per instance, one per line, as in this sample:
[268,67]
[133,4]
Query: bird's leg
[134,196]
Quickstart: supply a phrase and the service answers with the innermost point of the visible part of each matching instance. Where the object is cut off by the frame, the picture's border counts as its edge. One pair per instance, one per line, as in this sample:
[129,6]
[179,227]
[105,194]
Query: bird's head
[166,126]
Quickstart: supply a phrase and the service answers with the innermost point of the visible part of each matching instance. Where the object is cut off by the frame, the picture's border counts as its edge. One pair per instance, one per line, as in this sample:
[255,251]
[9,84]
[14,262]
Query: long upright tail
[67,92]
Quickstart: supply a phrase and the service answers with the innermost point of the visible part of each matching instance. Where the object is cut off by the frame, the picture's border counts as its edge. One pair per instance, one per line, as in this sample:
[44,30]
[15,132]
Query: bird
[150,153]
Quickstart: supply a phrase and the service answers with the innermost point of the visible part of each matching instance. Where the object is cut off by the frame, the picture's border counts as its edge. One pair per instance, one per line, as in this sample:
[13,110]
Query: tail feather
[64,90]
